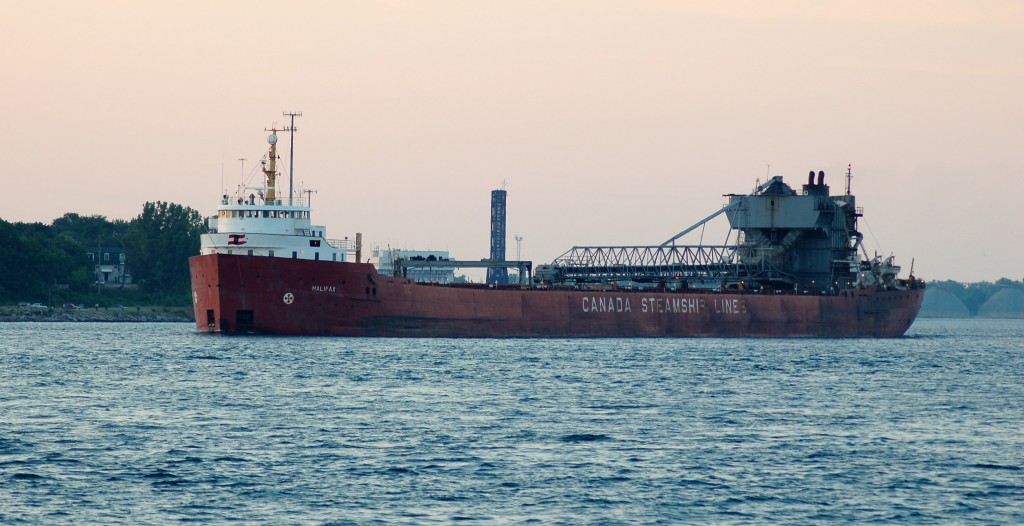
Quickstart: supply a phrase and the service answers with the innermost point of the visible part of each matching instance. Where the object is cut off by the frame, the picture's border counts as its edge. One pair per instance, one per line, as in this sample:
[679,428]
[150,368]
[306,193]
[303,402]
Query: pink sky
[612,122]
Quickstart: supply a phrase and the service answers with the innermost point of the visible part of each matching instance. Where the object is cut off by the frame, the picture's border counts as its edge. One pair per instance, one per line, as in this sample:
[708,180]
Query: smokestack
[359,247]
[810,177]
[821,178]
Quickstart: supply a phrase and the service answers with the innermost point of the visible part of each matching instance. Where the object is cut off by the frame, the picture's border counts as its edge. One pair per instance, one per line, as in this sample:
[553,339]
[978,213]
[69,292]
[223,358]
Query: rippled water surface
[153,423]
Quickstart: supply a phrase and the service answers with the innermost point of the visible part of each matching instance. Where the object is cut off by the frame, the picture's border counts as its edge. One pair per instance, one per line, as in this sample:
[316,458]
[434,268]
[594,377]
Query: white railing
[344,244]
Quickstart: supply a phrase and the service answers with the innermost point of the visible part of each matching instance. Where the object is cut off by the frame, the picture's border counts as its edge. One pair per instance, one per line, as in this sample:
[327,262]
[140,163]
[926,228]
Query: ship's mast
[271,170]
[291,153]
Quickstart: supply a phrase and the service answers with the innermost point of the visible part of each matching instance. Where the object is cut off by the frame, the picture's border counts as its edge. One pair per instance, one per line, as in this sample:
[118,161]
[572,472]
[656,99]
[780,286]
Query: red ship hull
[248,294]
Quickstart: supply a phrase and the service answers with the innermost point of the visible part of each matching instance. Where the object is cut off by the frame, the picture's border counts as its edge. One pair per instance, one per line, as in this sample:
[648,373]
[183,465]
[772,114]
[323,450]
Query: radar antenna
[242,175]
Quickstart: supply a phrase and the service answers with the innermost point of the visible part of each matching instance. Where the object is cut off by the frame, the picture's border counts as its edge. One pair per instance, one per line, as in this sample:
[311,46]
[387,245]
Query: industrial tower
[497,275]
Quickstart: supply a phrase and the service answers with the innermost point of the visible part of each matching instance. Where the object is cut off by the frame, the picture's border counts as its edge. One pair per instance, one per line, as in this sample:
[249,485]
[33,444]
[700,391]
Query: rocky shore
[98,314]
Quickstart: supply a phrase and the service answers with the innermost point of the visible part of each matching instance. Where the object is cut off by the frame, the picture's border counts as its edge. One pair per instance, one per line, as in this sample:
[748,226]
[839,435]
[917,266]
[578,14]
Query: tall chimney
[497,275]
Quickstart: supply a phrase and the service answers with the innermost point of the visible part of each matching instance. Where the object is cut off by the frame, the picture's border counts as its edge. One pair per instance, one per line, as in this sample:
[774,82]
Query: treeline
[50,264]
[974,295]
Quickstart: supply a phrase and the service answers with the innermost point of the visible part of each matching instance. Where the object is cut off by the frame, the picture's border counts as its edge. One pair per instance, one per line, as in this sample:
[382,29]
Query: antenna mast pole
[291,152]
[849,176]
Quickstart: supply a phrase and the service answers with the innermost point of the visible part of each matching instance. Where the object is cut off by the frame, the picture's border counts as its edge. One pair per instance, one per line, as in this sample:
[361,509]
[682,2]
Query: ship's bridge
[256,222]
[272,230]
[267,219]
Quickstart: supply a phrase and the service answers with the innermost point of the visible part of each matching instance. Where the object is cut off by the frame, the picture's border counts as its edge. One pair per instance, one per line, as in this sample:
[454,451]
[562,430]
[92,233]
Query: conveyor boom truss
[662,263]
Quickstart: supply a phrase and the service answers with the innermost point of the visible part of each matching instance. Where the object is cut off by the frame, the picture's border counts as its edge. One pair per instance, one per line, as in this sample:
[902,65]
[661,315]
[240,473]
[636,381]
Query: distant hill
[1007,303]
[939,303]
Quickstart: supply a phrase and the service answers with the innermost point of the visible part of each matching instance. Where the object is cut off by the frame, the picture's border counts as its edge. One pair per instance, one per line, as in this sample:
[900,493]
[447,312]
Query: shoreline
[101,314]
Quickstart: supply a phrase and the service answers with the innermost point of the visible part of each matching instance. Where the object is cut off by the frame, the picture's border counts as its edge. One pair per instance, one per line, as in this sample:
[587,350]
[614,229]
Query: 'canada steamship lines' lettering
[661,305]
[672,305]
[606,304]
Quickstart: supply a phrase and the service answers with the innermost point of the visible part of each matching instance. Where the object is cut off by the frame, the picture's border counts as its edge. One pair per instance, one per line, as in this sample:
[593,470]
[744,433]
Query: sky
[608,122]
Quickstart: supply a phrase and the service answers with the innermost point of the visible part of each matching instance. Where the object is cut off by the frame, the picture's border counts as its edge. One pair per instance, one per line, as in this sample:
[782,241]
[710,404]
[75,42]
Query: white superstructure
[443,275]
[259,224]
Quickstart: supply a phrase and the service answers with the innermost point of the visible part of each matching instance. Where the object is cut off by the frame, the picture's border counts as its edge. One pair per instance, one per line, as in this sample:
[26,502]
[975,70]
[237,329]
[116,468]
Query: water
[153,424]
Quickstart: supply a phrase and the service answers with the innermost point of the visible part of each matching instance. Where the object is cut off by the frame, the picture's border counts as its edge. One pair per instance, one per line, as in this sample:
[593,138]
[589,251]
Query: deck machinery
[787,241]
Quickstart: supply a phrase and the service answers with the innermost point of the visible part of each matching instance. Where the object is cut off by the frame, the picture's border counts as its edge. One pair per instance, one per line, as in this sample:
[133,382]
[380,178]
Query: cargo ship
[796,267]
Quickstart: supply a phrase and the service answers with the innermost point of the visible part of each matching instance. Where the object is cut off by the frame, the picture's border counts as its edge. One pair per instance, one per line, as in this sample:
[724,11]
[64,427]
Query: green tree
[92,230]
[1007,282]
[15,262]
[158,244]
[36,258]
